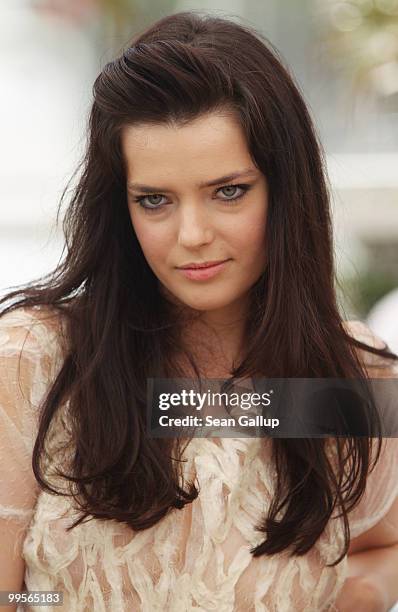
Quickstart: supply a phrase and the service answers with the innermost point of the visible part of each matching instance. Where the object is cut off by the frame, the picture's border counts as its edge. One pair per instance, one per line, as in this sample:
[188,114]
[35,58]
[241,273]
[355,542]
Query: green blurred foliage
[362,38]
[360,293]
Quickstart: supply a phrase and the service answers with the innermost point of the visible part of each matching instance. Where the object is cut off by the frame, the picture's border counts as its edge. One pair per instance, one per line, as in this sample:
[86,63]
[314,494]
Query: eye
[149,205]
[152,205]
[227,188]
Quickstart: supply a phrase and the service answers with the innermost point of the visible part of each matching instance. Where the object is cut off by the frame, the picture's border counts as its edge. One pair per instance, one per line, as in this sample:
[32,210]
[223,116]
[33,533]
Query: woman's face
[195,196]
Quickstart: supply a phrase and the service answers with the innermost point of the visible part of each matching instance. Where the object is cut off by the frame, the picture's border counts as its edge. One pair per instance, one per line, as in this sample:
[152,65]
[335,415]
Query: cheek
[153,239]
[251,240]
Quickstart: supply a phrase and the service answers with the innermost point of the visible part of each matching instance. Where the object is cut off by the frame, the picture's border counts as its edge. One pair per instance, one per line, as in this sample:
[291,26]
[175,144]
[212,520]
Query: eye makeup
[244,187]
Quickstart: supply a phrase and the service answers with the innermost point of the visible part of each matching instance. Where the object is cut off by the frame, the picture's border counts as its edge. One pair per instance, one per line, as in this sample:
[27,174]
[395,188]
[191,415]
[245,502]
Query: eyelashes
[243,187]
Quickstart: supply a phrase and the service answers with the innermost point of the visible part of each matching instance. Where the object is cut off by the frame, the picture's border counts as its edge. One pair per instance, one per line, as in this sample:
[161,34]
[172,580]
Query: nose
[195,228]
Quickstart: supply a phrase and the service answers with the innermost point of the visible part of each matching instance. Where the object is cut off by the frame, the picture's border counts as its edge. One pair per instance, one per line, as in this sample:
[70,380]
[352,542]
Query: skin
[197,224]
[372,584]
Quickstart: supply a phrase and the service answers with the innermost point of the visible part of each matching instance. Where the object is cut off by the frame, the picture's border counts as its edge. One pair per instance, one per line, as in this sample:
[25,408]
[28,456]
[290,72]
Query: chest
[196,557]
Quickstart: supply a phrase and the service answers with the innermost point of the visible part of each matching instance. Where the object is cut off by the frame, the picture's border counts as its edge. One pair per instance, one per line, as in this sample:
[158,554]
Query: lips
[199,266]
[205,271]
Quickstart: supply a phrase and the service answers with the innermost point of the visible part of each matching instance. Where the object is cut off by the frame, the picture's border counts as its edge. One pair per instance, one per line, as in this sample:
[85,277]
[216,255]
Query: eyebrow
[217,181]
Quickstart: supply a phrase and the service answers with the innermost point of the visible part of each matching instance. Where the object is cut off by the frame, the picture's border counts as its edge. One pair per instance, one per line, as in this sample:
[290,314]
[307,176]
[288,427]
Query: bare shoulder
[361,331]
[377,365]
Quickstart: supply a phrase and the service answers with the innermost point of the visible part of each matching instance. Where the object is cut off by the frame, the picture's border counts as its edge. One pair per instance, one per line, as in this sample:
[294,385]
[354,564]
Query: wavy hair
[121,331]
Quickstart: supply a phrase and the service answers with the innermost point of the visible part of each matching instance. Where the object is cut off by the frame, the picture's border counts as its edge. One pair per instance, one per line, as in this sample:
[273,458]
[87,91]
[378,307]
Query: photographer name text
[211,421]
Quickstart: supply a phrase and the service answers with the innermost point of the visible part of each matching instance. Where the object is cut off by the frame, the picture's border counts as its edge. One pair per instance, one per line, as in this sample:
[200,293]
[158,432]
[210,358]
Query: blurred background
[344,55]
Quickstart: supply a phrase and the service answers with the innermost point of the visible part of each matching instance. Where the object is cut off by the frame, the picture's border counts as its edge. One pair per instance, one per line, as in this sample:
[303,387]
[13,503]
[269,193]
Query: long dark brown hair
[121,330]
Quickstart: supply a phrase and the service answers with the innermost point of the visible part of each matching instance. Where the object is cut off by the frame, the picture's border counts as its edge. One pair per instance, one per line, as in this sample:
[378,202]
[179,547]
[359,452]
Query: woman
[200,150]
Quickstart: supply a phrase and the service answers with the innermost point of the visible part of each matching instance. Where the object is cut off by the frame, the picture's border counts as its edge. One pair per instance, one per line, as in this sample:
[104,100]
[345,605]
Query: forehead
[205,144]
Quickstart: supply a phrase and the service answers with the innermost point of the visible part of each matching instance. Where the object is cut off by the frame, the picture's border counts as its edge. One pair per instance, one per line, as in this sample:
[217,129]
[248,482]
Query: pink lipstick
[203,271]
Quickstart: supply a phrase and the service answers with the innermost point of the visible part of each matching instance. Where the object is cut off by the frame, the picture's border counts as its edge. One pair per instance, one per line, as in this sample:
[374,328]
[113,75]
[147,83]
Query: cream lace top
[194,559]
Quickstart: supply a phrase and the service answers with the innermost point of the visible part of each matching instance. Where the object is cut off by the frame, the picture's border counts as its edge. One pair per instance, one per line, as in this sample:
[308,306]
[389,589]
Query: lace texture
[195,559]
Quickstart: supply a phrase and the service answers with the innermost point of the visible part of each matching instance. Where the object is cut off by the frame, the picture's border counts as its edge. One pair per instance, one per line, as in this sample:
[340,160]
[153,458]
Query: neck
[217,337]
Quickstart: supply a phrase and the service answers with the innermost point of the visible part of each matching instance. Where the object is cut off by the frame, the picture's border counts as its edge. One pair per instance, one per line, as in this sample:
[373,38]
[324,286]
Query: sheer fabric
[195,559]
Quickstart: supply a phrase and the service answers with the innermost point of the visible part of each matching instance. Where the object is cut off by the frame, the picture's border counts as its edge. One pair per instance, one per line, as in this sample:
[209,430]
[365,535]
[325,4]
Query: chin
[204,304]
